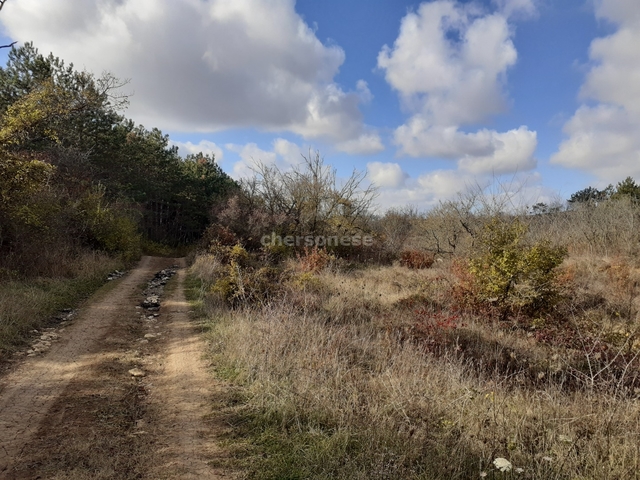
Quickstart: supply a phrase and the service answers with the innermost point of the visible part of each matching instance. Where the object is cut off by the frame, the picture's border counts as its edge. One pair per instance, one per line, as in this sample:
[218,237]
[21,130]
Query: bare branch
[2,2]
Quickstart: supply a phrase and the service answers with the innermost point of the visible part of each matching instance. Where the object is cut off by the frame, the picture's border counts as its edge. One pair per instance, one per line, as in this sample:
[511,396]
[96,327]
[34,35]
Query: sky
[540,97]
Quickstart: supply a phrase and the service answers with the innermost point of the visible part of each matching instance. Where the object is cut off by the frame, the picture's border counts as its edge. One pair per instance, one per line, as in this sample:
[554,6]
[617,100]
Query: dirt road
[122,394]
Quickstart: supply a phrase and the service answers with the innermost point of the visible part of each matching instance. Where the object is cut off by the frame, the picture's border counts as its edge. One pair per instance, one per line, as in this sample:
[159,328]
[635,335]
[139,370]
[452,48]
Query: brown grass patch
[378,374]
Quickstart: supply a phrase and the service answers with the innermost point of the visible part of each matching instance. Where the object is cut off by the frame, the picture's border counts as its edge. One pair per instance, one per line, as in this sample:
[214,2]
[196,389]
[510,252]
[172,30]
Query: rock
[152,335]
[152,301]
[115,274]
[136,372]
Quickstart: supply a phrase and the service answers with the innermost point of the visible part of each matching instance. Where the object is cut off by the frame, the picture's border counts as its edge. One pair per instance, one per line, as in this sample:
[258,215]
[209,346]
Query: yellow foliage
[35,116]
[512,274]
[21,176]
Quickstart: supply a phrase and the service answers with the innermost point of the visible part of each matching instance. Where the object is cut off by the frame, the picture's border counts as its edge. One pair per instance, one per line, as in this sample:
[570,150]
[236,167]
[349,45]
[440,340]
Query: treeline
[76,174]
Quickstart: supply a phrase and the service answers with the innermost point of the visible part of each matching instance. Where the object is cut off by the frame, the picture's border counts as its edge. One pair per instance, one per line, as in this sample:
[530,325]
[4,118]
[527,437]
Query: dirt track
[76,411]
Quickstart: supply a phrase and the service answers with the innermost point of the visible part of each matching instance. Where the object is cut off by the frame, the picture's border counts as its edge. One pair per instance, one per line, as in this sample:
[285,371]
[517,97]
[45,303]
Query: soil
[120,394]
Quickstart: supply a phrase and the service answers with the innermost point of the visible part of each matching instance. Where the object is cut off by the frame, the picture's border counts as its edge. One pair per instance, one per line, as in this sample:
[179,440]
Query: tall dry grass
[346,376]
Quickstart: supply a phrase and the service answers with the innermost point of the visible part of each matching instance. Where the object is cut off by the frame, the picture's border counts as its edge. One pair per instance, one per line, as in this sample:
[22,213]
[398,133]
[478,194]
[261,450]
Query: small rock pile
[115,274]
[151,303]
[155,288]
[43,342]
[46,336]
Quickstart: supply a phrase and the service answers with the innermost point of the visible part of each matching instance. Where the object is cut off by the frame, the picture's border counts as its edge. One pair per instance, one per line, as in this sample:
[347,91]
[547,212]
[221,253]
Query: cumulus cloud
[204,146]
[203,65]
[365,144]
[448,62]
[427,190]
[284,155]
[423,192]
[510,152]
[478,152]
[386,174]
[604,138]
[448,65]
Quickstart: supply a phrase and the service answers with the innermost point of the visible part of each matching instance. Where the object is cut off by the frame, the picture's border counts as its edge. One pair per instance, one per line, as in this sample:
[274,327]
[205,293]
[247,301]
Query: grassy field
[382,372]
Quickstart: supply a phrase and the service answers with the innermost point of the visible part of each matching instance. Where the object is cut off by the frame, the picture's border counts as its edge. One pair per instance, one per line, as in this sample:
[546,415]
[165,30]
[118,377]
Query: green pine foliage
[76,174]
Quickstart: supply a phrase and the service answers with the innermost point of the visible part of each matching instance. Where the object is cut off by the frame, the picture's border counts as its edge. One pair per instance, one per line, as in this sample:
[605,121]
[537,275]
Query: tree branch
[2,2]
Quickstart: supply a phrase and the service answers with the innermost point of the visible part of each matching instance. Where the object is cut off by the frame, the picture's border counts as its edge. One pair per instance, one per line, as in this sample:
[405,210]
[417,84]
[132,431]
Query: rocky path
[122,393]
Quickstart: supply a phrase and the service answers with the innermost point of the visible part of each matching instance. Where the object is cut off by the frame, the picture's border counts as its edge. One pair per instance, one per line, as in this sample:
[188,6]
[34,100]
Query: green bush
[512,275]
[240,279]
[107,227]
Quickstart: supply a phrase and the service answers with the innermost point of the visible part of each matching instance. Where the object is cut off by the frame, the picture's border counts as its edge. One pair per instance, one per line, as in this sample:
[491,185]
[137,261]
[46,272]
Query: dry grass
[376,374]
[29,304]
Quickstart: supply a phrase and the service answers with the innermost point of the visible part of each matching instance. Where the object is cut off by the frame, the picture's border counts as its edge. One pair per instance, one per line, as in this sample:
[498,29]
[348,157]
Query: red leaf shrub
[416,259]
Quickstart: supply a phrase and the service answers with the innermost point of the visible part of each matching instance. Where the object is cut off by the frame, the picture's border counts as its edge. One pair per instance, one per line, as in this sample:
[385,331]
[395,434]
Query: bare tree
[313,199]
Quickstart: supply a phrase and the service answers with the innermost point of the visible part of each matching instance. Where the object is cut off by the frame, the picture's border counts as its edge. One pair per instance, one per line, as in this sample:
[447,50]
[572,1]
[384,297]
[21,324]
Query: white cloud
[284,155]
[386,174]
[203,65]
[449,64]
[423,192]
[444,184]
[517,8]
[514,192]
[365,144]
[510,152]
[498,152]
[290,152]
[620,11]
[204,146]
[450,82]
[363,91]
[604,138]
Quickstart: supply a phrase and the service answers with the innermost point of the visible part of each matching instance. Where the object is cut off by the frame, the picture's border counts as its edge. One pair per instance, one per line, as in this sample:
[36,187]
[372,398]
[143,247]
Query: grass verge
[29,304]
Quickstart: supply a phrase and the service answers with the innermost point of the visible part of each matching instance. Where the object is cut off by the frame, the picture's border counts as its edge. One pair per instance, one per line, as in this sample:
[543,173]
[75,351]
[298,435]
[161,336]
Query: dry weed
[337,383]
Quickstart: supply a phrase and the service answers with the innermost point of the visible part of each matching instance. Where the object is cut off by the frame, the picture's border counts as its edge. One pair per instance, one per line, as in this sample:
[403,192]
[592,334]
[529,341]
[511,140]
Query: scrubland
[510,353]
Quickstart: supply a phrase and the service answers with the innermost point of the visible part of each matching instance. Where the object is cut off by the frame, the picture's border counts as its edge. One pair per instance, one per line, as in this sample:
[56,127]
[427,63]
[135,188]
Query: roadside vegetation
[474,340]
[83,190]
[471,341]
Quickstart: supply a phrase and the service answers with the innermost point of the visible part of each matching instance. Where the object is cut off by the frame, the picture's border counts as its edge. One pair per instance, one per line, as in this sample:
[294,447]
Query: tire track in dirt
[76,411]
[186,439]
[28,392]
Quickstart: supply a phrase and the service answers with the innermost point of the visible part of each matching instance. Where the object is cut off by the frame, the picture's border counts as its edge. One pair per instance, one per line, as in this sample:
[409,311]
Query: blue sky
[428,97]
